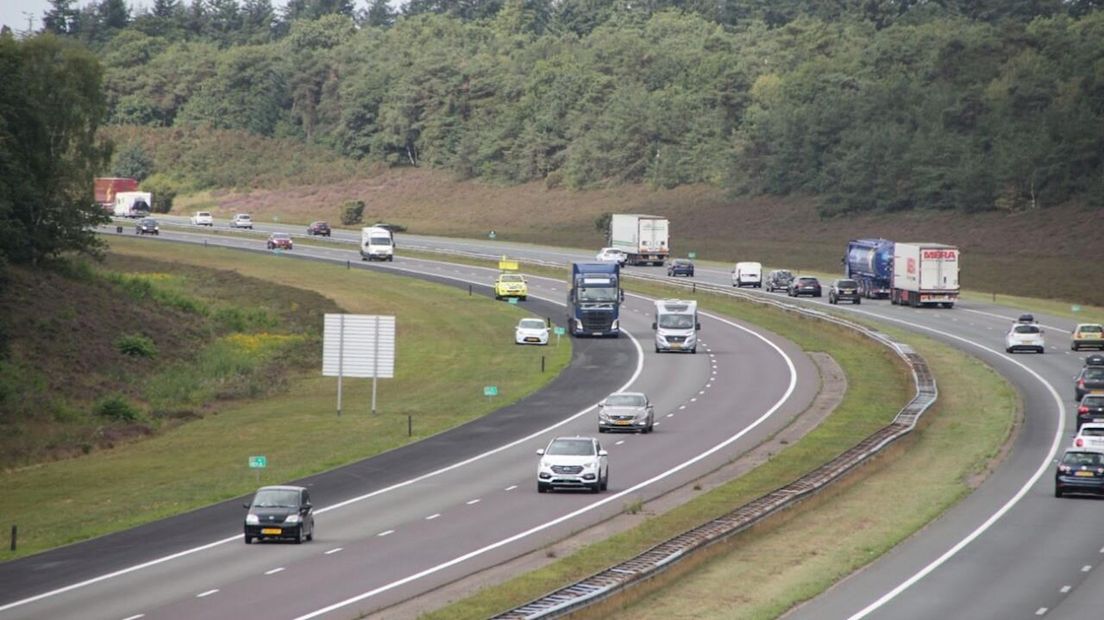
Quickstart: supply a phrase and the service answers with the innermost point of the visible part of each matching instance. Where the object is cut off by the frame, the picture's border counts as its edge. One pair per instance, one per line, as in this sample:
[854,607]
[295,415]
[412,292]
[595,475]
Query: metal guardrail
[659,558]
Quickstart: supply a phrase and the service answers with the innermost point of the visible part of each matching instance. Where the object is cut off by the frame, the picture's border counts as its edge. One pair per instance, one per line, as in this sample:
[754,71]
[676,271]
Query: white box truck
[377,243]
[643,238]
[676,325]
[748,274]
[132,204]
[925,274]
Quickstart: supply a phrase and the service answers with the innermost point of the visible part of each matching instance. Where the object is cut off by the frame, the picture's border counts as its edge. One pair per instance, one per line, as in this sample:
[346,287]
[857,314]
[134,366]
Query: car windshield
[243,217]
[1093,401]
[626,400]
[807,281]
[273,498]
[681,262]
[1094,374]
[571,447]
[1092,459]
[676,321]
[1091,329]
[149,222]
[531,324]
[1026,329]
[1092,431]
[380,240]
[203,214]
[280,236]
[847,284]
[511,278]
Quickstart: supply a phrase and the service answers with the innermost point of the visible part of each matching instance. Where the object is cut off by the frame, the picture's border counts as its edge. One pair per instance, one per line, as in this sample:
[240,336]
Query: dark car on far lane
[1079,471]
[319,228]
[1091,377]
[281,241]
[680,267]
[280,513]
[147,226]
[805,285]
[778,280]
[844,290]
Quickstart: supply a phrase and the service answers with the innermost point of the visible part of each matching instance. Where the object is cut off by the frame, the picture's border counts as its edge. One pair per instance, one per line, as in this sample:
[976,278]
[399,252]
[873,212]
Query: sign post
[692,255]
[490,391]
[257,463]
[559,331]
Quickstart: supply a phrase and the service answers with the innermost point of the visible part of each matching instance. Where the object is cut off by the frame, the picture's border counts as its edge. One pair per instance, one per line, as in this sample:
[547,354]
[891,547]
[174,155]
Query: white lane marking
[700,392]
[432,516]
[1065,589]
[135,617]
[474,501]
[207,593]
[385,533]
[694,399]
[681,407]
[657,423]
[333,551]
[1086,568]
[274,571]
[614,497]
[511,487]
[619,442]
[1102,550]
[670,415]
[1041,611]
[1044,467]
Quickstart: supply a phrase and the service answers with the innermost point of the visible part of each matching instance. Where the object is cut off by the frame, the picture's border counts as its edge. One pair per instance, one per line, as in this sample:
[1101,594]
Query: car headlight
[593,465]
[251,519]
[292,519]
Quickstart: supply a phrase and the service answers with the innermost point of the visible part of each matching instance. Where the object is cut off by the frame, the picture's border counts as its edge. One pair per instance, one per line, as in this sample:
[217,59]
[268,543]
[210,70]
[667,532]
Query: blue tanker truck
[594,299]
[870,263]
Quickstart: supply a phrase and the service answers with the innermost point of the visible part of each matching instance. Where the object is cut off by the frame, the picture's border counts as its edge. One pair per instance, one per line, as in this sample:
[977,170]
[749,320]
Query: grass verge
[878,385]
[205,461]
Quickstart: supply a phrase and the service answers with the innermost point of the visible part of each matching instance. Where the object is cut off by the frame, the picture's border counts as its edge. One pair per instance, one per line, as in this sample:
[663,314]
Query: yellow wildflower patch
[260,341]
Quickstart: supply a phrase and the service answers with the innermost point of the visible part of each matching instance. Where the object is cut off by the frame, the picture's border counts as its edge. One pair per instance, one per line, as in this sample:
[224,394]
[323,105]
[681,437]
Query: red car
[280,241]
[319,228]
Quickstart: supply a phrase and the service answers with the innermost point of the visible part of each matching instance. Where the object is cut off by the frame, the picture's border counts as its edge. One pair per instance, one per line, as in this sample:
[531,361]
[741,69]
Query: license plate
[1084,474]
[277,531]
[623,422]
[675,345]
[532,340]
[596,333]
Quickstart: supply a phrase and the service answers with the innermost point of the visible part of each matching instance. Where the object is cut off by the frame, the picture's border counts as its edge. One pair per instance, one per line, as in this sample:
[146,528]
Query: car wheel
[1008,349]
[542,487]
[299,535]
[523,298]
[605,482]
[1057,491]
[248,539]
[1041,350]
[857,301]
[1073,346]
[310,536]
[596,487]
[602,429]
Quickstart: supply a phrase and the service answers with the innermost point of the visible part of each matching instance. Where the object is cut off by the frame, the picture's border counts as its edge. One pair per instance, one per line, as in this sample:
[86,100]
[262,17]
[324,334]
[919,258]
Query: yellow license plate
[1084,474]
[277,531]
[623,422]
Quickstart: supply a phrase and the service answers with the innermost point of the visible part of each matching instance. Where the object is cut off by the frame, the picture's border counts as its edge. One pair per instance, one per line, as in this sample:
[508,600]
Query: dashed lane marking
[433,516]
[333,551]
[274,571]
[207,593]
[473,501]
[387,533]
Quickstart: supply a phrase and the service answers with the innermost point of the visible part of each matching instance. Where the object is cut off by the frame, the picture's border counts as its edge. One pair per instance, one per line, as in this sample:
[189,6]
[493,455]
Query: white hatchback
[242,220]
[1090,435]
[531,331]
[612,255]
[202,218]
[573,463]
[1024,337]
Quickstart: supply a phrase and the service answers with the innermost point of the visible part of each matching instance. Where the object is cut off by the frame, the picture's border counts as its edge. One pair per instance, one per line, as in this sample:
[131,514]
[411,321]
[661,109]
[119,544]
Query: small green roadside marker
[490,390]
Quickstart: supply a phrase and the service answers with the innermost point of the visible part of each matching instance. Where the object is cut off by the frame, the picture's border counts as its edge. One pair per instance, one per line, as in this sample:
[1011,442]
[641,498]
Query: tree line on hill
[871,105]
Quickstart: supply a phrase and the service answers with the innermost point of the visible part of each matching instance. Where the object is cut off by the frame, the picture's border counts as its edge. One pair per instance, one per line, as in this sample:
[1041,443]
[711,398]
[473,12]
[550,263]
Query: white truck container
[925,274]
[132,204]
[676,325]
[643,238]
[377,243]
[748,274]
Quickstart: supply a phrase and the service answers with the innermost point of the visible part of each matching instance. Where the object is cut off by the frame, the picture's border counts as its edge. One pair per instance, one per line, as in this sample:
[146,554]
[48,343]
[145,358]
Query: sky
[13,13]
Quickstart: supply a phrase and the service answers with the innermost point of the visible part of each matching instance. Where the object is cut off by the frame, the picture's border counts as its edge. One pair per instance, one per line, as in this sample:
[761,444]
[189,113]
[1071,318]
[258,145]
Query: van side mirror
[697,327]
[622,296]
[654,325]
[540,452]
[245,506]
[603,453]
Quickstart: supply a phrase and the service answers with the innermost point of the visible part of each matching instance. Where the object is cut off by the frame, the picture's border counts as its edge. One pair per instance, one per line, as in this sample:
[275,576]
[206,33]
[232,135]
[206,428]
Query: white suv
[202,218]
[242,220]
[574,463]
[612,255]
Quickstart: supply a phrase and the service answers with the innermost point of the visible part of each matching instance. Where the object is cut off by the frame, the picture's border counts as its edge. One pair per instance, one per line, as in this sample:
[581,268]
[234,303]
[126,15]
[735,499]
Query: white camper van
[132,204]
[377,243]
[676,325]
[748,274]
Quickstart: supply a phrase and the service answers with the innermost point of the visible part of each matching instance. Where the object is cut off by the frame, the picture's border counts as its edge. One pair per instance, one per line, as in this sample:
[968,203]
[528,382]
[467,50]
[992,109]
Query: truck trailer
[132,204]
[869,262]
[105,189]
[643,238]
[925,274]
[594,299]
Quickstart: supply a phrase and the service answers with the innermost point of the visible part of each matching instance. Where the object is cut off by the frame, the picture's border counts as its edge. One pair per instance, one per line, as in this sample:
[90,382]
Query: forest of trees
[866,104]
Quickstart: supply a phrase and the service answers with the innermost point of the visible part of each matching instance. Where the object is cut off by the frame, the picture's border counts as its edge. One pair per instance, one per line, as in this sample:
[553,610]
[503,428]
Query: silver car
[626,411]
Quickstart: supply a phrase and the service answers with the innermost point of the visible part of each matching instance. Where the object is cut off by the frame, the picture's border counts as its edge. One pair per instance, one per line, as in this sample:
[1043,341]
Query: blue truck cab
[594,299]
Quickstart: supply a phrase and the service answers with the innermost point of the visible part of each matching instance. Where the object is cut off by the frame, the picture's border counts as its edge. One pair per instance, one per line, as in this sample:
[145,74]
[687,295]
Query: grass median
[443,361]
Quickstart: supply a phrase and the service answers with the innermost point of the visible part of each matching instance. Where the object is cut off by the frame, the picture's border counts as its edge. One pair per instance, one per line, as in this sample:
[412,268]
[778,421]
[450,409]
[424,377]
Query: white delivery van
[676,325]
[132,204]
[377,243]
[748,274]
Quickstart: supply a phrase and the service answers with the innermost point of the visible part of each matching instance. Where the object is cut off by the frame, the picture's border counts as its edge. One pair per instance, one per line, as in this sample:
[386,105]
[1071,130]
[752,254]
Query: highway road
[1011,549]
[403,523]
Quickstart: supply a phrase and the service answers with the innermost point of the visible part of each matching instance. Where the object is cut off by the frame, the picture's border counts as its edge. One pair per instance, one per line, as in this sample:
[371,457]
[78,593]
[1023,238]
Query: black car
[147,226]
[805,285]
[280,513]
[779,280]
[844,290]
[680,267]
[319,228]
[1079,471]
[1091,409]
[1091,377]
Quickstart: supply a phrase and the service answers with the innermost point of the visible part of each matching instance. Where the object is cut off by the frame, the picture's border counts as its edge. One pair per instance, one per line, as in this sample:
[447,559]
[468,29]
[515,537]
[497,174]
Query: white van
[377,243]
[132,204]
[748,274]
[676,325]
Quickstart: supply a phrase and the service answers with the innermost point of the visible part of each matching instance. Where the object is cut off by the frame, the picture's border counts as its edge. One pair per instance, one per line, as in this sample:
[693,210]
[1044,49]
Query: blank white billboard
[359,345]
